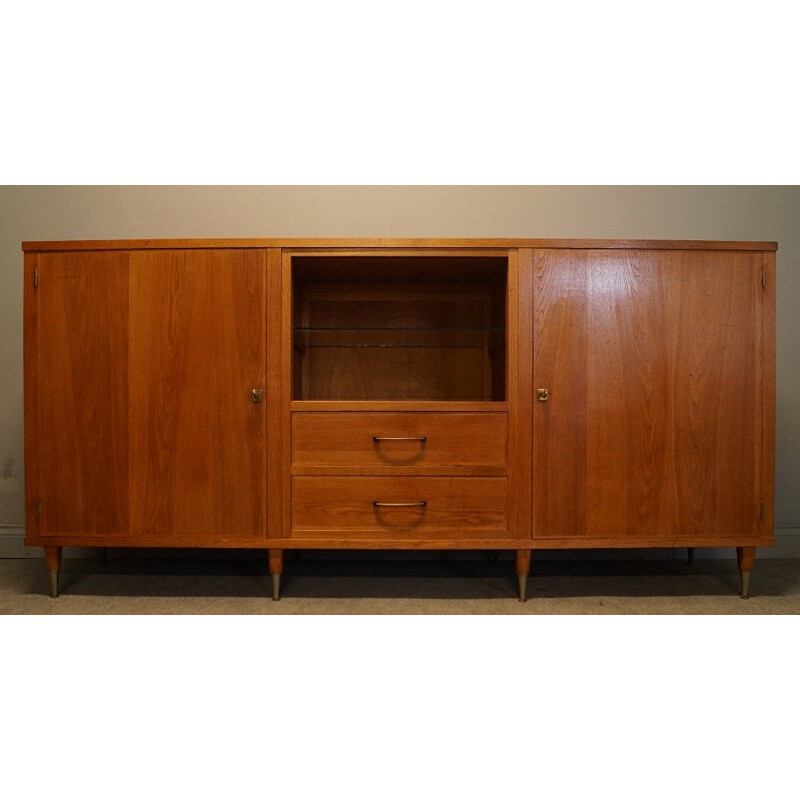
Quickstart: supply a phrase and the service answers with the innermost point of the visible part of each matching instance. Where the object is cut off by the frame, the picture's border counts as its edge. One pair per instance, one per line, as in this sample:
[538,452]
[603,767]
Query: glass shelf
[446,329]
[440,338]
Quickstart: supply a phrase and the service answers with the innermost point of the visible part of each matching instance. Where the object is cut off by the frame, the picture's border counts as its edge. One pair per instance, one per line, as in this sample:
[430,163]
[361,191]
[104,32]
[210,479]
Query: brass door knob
[542,395]
[257,395]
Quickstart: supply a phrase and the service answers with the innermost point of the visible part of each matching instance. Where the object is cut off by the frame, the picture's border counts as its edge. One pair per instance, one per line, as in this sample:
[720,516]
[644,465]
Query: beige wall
[670,212]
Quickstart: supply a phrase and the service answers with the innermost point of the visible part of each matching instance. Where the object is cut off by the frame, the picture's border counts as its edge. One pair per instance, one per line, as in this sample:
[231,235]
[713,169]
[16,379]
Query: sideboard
[495,394]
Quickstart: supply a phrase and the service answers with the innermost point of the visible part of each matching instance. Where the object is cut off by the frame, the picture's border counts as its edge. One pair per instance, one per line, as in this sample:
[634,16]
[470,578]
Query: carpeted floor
[397,585]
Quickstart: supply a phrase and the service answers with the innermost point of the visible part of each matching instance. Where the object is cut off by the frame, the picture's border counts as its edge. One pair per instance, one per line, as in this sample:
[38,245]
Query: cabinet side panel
[198,442]
[275,400]
[81,393]
[288,387]
[768,395]
[30,385]
[520,398]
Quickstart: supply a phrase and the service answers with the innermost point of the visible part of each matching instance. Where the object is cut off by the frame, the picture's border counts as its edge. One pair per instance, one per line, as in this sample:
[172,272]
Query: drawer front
[408,507]
[403,439]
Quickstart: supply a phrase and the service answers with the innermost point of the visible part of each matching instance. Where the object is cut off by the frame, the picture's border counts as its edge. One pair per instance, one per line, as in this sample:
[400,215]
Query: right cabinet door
[651,430]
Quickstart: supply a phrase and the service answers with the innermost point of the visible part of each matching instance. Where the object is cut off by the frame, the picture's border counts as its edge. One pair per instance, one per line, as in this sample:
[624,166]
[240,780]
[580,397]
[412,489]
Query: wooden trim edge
[171,244]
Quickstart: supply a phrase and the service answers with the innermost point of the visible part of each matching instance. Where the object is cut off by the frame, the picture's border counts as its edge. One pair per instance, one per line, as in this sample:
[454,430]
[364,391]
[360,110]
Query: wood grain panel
[505,373]
[653,424]
[560,341]
[290,387]
[396,373]
[77,404]
[275,396]
[198,348]
[451,440]
[30,357]
[716,320]
[456,508]
[403,244]
[390,405]
[361,541]
[629,414]
[768,372]
[522,400]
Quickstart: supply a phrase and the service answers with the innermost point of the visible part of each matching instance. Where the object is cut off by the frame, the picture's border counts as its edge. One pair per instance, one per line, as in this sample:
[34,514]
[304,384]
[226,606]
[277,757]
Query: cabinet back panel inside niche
[388,328]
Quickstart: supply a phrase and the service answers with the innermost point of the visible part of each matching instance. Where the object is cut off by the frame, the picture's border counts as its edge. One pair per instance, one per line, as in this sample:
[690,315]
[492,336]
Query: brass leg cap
[276,586]
[523,587]
[53,583]
[745,585]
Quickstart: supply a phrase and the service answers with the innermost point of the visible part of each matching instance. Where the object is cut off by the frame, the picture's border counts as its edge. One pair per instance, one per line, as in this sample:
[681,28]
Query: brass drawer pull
[377,439]
[420,504]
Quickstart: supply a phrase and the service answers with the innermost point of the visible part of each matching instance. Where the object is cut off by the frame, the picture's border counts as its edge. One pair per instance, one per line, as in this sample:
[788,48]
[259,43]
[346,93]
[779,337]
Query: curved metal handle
[399,439]
[420,504]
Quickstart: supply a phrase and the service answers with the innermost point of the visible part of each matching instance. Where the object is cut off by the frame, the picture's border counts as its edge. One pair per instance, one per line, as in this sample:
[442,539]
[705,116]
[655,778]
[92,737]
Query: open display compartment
[394,327]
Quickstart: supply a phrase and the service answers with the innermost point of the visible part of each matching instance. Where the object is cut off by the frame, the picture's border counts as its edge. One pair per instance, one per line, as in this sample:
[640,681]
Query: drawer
[399,439]
[410,507]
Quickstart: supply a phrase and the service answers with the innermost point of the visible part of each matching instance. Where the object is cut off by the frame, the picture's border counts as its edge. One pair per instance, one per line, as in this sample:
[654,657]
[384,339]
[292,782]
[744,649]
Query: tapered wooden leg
[275,569]
[690,554]
[523,568]
[52,560]
[745,558]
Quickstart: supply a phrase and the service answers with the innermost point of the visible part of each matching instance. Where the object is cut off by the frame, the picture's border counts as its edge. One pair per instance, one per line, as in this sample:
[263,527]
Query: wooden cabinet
[498,394]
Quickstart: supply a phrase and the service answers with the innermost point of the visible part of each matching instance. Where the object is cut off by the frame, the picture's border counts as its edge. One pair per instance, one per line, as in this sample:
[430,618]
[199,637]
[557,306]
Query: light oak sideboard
[495,394]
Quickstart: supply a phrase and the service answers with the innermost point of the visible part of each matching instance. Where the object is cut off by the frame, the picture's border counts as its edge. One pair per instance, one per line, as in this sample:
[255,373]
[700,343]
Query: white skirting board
[787,545]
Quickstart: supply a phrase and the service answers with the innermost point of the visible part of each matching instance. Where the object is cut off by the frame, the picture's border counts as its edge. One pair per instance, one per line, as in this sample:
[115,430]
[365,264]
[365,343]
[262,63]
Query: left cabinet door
[140,423]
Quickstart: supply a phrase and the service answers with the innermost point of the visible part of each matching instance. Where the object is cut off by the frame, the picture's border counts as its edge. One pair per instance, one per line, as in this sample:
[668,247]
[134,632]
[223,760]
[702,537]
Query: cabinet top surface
[327,243]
